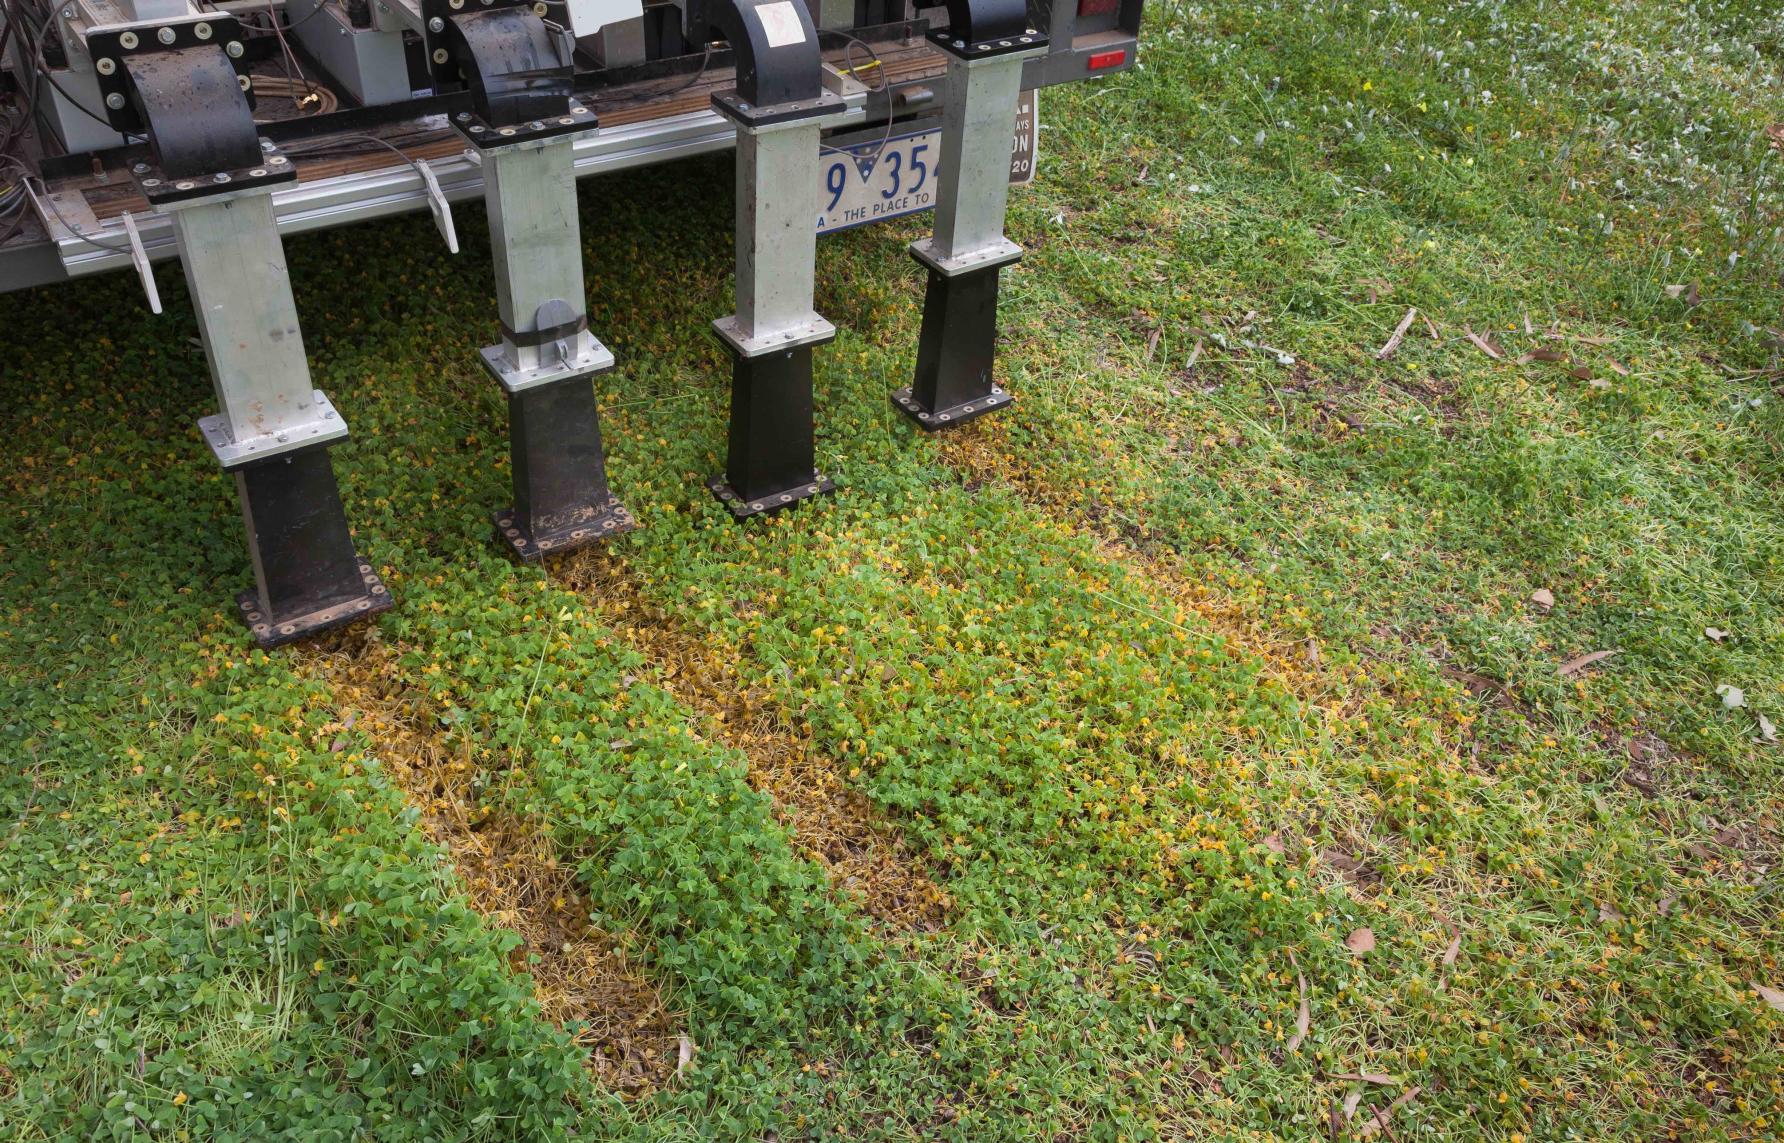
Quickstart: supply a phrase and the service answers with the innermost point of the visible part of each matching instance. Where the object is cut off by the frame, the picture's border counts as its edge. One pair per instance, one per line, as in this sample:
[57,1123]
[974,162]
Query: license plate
[865,177]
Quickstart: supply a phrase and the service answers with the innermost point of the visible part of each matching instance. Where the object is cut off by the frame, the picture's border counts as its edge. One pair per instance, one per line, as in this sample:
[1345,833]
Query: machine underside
[133,131]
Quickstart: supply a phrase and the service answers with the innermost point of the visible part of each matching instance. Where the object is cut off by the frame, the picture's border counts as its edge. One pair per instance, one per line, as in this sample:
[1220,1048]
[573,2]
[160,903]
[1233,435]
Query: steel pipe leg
[955,350]
[275,429]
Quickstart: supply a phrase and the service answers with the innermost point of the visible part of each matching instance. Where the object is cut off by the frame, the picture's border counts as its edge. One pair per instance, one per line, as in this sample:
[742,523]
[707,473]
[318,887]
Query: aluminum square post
[956,347]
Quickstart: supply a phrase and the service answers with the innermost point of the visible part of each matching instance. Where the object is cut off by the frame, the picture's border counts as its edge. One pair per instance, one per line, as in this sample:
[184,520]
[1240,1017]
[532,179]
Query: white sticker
[780,23]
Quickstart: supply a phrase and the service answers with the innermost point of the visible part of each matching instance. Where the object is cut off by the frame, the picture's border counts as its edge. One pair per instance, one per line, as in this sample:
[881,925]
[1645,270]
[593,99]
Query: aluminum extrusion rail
[398,188]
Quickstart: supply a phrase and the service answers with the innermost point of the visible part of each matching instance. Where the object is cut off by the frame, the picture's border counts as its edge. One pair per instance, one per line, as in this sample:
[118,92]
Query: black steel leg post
[780,108]
[523,126]
[986,43]
[214,177]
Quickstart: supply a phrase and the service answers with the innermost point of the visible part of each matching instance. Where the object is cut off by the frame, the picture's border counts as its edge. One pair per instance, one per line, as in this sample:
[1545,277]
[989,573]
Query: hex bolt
[436,25]
[463,117]
[165,35]
[115,101]
[68,12]
[268,146]
[139,168]
[220,177]
[234,49]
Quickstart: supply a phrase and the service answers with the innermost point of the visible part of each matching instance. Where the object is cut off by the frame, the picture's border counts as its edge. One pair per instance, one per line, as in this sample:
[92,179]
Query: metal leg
[953,382]
[547,358]
[274,429]
[771,462]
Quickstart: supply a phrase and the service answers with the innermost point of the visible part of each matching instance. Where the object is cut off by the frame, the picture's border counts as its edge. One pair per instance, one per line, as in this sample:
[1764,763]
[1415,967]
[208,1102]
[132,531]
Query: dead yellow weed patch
[834,825]
[509,874]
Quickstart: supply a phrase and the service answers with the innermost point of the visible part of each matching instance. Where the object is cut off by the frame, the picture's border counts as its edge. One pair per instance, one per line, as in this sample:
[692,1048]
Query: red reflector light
[1101,60]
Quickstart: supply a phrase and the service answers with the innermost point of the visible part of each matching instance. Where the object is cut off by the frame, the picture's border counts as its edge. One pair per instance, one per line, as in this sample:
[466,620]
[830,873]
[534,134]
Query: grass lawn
[1205,748]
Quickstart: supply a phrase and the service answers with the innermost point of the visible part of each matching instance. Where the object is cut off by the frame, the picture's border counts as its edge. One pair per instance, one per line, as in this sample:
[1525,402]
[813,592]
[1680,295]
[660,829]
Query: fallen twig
[1393,344]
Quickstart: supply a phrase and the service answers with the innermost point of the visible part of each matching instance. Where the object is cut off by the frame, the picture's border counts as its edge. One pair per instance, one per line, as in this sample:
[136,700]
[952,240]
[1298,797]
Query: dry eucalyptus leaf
[1454,950]
[1273,843]
[1733,697]
[1579,663]
[1350,1103]
[1768,733]
[1360,942]
[1543,598]
[1303,1017]
[684,1054]
[1714,634]
[1770,995]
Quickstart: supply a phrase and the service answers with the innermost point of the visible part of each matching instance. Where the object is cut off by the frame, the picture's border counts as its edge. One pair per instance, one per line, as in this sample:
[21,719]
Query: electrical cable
[884,88]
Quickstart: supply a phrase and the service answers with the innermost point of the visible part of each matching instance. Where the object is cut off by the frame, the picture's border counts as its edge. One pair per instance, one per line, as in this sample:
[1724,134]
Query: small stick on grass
[1393,345]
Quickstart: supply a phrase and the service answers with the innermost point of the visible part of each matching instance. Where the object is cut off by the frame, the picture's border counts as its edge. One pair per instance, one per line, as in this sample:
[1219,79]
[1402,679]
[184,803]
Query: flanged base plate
[958,415]
[270,632]
[610,519]
[742,509]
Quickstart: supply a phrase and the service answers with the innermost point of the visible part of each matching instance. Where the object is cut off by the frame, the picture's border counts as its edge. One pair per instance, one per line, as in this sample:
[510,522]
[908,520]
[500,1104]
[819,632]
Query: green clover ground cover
[1158,829]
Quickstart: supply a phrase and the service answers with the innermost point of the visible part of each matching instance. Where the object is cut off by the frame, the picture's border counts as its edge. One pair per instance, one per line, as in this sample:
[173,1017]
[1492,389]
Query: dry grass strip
[864,856]
[509,874]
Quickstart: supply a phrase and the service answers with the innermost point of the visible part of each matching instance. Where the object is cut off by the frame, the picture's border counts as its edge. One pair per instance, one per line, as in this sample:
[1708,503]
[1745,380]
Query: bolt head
[244,83]
[115,101]
[105,66]
[234,48]
[140,168]
[436,25]
[439,55]
[165,35]
[128,40]
[202,31]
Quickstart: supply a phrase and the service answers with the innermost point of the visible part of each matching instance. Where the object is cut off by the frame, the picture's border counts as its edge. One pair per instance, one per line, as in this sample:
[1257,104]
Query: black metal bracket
[771,461]
[956,349]
[440,40]
[776,46]
[200,125]
[561,497]
[479,133]
[308,575]
[518,68]
[979,29]
[118,53]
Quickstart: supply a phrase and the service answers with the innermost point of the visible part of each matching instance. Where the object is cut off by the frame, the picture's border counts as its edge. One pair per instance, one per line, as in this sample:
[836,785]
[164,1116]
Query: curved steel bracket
[776,44]
[517,66]
[195,111]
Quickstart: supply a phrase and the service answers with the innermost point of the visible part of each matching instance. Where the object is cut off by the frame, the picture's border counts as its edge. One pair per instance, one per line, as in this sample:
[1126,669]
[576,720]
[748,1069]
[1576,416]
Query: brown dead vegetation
[511,875]
[839,828]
